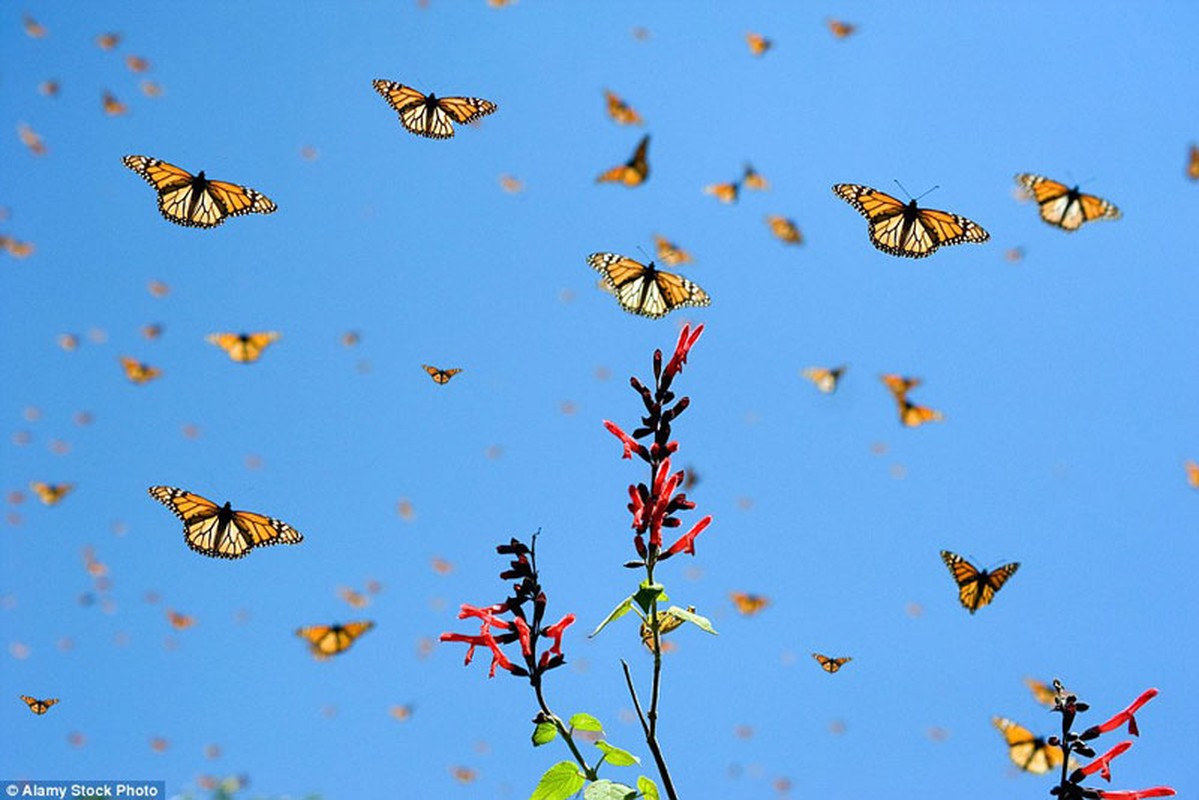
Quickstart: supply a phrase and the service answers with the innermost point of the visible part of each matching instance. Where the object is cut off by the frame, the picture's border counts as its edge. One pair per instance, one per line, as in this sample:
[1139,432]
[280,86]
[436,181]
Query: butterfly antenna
[647,255]
[901,188]
[935,188]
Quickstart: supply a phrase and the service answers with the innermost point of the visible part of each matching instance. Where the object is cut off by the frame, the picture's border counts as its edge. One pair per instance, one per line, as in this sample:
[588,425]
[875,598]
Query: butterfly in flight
[1043,692]
[431,116]
[724,192]
[180,622]
[841,30]
[825,379]
[620,111]
[976,588]
[912,415]
[219,531]
[748,604]
[758,44]
[1064,207]
[670,253]
[634,171]
[111,105]
[51,493]
[1193,163]
[243,347]
[831,665]
[440,376]
[329,640]
[752,179]
[194,201]
[108,41]
[644,290]
[899,385]
[785,230]
[904,229]
[39,707]
[1192,473]
[1029,753]
[138,372]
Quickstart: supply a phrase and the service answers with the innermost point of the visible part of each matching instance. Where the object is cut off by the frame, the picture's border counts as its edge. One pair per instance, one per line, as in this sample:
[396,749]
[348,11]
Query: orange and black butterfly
[440,376]
[825,379]
[136,63]
[219,531]
[899,385]
[108,41]
[644,290]
[903,229]
[1043,692]
[1029,753]
[752,179]
[1193,163]
[51,493]
[39,707]
[194,201]
[842,30]
[670,253]
[1192,473]
[356,599]
[785,230]
[724,192]
[758,44]
[831,665]
[329,640]
[634,171]
[138,372]
[976,588]
[243,347]
[912,415]
[31,139]
[111,105]
[431,116]
[1064,207]
[15,248]
[620,111]
[180,622]
[748,604]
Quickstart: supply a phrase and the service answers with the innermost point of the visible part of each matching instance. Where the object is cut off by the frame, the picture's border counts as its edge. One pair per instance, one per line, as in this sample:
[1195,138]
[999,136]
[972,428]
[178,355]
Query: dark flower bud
[634,564]
[657,364]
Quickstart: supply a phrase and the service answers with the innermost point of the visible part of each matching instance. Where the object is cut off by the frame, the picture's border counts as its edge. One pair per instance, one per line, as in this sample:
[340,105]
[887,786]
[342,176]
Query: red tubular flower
[631,445]
[687,339]
[473,641]
[686,542]
[1138,794]
[1102,765]
[1126,716]
[522,631]
[637,506]
[556,630]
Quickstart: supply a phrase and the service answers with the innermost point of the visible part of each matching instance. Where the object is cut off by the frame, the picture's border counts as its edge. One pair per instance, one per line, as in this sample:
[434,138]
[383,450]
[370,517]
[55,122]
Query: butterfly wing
[913,416]
[824,379]
[329,640]
[724,192]
[182,199]
[137,371]
[466,109]
[994,581]
[243,348]
[784,230]
[669,253]
[967,578]
[634,171]
[1028,752]
[620,111]
[259,530]
[1062,207]
[1043,692]
[50,494]
[748,604]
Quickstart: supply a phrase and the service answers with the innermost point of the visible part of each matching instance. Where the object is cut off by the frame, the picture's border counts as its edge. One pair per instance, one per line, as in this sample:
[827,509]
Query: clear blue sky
[1068,381]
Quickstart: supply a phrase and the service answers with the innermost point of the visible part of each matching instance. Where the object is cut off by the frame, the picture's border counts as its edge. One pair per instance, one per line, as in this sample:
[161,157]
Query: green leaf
[559,782]
[544,732]
[608,790]
[585,722]
[695,619]
[617,757]
[616,613]
[647,593]
[648,789]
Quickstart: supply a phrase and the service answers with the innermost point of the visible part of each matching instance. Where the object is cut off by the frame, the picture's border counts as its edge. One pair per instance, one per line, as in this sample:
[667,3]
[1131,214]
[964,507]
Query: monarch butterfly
[899,385]
[179,621]
[903,229]
[670,253]
[620,111]
[758,44]
[1064,207]
[752,179]
[913,416]
[30,138]
[152,331]
[354,598]
[33,27]
[136,63]
[668,621]
[402,713]
[430,116]
[1193,163]
[107,41]
[111,105]
[831,665]
[329,640]
[39,707]
[748,604]
[243,347]
[150,88]
[440,376]
[138,372]
[51,493]
[825,379]
[976,588]
[643,290]
[842,30]
[1192,473]
[194,201]
[634,171]
[49,87]
[510,184]
[1029,753]
[1043,692]
[219,531]
[784,229]
[724,192]
[15,248]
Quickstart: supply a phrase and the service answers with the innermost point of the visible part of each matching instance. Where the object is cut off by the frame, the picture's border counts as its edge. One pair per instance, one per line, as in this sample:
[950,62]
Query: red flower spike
[630,445]
[1137,794]
[686,542]
[1127,715]
[1102,764]
[486,614]
[687,339]
[522,630]
[556,630]
[473,641]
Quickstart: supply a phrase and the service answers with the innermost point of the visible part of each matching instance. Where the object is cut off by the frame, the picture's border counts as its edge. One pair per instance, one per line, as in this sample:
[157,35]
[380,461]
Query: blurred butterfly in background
[670,253]
[138,372]
[825,379]
[1029,753]
[903,229]
[136,63]
[194,201]
[1064,207]
[243,347]
[912,415]
[111,105]
[748,604]
[976,588]
[30,138]
[329,640]
[38,707]
[354,598]
[724,192]
[108,41]
[634,171]
[620,111]
[430,116]
[51,493]
[1193,163]
[899,385]
[440,376]
[831,665]
[644,290]
[1043,692]
[32,27]
[784,229]
[179,621]
[15,248]
[752,179]
[219,531]
[841,30]
[1192,473]
[758,44]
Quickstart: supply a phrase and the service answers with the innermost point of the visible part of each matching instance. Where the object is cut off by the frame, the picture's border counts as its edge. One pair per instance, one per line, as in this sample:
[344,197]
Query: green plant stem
[650,739]
[564,732]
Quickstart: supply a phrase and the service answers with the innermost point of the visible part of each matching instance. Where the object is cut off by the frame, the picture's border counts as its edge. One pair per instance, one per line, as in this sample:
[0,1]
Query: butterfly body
[905,229]
[220,531]
[976,588]
[644,290]
[1064,207]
